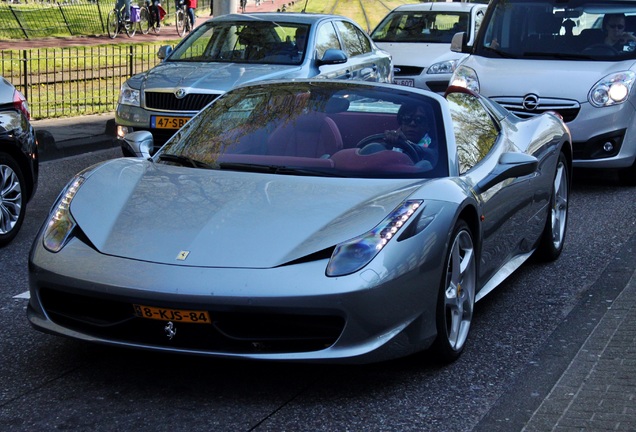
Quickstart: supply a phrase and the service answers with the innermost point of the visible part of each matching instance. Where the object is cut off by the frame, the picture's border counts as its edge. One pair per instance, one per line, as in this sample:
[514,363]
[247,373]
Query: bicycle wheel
[144,20]
[112,24]
[180,21]
[130,28]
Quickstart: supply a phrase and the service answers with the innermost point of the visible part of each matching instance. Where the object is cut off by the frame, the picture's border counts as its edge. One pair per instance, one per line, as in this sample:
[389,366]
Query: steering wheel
[401,143]
[600,49]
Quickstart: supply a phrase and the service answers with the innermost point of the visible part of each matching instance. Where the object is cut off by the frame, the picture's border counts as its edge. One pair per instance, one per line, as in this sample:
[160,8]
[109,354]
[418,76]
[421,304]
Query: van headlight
[465,77]
[613,89]
[444,67]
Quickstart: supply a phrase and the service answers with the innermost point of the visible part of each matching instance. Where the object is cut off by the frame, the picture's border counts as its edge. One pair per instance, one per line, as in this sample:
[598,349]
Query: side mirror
[164,52]
[138,144]
[459,43]
[333,56]
[510,165]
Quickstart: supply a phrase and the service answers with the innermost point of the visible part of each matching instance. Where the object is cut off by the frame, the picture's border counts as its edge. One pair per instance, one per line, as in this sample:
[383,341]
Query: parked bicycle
[118,22]
[150,16]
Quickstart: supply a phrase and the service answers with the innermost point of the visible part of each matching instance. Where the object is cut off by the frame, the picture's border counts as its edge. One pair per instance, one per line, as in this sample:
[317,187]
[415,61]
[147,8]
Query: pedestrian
[191,6]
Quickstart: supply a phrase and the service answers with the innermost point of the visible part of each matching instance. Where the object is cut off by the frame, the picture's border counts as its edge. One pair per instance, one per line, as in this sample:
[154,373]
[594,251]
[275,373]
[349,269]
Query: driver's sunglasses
[408,119]
[616,26]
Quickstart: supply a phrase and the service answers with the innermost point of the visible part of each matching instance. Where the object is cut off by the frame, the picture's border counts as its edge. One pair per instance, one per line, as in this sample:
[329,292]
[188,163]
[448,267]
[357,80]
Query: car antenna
[305,8]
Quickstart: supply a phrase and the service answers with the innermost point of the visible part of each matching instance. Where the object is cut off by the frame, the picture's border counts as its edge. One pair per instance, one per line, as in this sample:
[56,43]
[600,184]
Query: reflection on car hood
[211,76]
[544,78]
[417,54]
[153,212]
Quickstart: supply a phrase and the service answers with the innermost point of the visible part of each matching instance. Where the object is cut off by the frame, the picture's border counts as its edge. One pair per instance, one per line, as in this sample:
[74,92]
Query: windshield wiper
[502,54]
[274,169]
[183,161]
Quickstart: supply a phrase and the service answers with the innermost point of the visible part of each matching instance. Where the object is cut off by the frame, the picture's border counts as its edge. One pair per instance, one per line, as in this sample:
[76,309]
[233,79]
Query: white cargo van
[576,57]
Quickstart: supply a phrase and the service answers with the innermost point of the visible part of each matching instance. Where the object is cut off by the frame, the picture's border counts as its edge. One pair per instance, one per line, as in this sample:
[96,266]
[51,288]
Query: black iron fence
[63,82]
[28,19]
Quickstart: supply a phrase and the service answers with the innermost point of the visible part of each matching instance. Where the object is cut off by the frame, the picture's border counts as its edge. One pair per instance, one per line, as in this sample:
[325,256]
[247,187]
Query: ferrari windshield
[244,42]
[421,26]
[558,30]
[316,128]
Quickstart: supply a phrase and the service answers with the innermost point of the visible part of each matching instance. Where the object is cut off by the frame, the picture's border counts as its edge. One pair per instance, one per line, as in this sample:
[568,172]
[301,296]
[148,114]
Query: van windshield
[558,30]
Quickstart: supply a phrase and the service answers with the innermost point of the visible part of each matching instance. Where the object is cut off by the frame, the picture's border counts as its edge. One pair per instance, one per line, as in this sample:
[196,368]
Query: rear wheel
[12,198]
[144,20]
[112,24]
[553,235]
[456,298]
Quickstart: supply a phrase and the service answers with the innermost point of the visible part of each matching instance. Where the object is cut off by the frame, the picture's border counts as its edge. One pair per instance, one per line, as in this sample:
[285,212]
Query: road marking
[24,295]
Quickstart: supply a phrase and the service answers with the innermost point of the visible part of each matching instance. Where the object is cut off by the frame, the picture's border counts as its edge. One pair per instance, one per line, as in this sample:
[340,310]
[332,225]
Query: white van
[576,57]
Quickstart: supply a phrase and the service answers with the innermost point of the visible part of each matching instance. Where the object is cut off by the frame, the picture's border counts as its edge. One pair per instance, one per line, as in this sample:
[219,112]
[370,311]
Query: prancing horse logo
[170,329]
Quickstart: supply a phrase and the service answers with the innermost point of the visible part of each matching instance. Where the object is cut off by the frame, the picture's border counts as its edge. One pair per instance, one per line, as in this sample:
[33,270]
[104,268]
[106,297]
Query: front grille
[169,102]
[568,109]
[237,332]
[407,70]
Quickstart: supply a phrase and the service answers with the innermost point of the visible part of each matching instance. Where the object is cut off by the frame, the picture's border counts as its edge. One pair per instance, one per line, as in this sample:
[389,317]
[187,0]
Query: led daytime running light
[354,254]
[61,222]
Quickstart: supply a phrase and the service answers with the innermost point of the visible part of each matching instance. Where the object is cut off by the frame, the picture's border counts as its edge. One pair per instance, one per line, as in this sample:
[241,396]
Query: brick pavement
[597,392]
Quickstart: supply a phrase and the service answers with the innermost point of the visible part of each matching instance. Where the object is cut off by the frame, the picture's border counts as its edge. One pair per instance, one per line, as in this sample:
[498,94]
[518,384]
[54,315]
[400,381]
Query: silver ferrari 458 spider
[309,220]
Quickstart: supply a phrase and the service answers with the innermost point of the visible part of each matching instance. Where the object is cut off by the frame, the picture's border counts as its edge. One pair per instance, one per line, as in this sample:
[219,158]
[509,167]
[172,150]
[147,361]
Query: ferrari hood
[136,209]
[214,77]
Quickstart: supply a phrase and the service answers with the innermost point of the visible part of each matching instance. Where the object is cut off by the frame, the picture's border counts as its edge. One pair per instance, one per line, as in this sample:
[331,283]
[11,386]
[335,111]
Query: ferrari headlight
[445,67]
[129,96]
[614,89]
[61,222]
[465,77]
[354,254]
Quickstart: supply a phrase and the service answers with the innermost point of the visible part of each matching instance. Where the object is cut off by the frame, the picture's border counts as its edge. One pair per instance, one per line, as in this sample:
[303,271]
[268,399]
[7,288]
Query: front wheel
[180,22]
[456,299]
[12,198]
[130,27]
[551,243]
[112,24]
[144,21]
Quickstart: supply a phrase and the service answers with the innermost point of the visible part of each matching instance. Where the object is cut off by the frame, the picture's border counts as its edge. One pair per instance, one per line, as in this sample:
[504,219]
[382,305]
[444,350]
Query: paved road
[524,336]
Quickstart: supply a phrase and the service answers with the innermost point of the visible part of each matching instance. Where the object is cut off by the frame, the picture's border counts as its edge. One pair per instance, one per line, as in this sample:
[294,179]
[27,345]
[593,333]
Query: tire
[180,22]
[112,24]
[456,299]
[13,198]
[144,20]
[130,28]
[553,236]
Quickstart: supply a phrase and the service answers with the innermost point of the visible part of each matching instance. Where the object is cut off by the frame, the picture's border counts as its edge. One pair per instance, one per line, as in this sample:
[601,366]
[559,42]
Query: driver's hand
[393,136]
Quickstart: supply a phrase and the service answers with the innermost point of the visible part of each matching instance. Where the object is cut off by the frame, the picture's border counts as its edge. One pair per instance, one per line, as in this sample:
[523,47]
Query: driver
[413,131]
[614,30]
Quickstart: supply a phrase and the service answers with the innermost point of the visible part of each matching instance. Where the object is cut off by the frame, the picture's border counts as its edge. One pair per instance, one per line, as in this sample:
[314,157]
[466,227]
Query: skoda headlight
[614,89]
[61,223]
[445,67]
[129,96]
[354,254]
[465,77]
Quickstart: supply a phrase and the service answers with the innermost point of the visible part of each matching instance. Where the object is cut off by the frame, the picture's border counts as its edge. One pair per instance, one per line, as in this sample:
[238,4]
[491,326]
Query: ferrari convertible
[313,220]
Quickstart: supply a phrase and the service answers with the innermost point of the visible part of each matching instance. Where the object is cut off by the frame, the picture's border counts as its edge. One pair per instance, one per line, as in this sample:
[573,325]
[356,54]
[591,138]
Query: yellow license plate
[174,315]
[162,122]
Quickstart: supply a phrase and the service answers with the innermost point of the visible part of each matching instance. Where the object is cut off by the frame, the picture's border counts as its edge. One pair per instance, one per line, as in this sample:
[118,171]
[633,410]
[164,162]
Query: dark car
[18,160]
